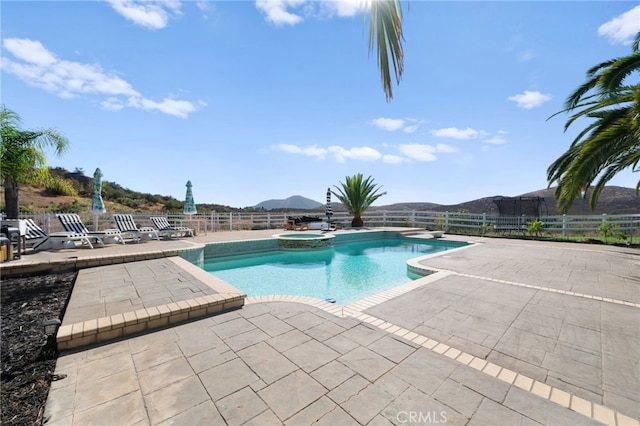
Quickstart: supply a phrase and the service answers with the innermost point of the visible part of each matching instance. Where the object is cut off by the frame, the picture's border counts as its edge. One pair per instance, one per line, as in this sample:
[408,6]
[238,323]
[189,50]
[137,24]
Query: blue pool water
[345,273]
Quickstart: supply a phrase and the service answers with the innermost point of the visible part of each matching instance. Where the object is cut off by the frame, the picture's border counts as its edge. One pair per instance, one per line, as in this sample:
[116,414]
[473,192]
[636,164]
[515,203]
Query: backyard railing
[564,226]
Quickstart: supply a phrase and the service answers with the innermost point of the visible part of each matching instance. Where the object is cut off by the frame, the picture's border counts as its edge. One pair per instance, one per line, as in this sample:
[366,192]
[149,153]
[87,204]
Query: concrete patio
[505,332]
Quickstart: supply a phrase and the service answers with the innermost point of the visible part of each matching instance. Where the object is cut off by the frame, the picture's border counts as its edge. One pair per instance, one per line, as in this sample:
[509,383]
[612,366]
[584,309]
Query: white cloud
[393,159]
[150,14]
[345,8]
[455,133]
[495,140]
[410,129]
[276,11]
[418,152]
[623,28]
[67,79]
[529,100]
[292,12]
[390,124]
[363,153]
[441,147]
[340,154]
[526,56]
[309,151]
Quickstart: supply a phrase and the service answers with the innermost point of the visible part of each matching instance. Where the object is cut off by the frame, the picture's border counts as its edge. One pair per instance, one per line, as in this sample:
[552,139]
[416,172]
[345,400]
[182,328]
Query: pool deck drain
[391,353]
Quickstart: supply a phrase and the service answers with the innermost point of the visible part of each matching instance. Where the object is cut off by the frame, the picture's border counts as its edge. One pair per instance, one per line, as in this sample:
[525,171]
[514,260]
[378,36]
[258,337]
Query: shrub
[55,185]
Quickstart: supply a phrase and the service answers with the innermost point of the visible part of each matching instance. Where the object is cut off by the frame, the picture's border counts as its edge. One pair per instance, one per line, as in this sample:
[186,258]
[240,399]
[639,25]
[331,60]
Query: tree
[385,32]
[611,142]
[22,159]
[357,195]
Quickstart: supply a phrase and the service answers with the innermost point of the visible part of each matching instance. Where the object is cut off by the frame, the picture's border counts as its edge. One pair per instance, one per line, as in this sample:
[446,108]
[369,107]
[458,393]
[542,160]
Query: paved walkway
[507,332]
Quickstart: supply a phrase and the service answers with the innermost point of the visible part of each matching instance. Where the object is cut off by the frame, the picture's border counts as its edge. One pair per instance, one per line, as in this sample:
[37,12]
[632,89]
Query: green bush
[55,185]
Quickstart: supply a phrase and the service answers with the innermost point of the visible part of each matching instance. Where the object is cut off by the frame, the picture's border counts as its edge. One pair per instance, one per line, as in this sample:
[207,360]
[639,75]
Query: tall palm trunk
[11,199]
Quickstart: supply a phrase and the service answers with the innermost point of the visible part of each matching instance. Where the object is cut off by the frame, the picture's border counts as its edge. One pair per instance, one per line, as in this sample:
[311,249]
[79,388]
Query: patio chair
[127,225]
[40,240]
[171,231]
[71,222]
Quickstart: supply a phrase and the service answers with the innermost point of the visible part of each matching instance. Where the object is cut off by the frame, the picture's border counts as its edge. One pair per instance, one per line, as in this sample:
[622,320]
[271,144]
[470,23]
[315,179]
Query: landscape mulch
[28,358]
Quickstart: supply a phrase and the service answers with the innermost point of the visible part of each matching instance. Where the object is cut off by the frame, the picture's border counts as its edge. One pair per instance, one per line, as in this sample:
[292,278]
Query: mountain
[613,200]
[294,202]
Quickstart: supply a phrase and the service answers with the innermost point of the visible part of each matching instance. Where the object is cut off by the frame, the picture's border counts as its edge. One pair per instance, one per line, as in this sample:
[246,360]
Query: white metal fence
[454,222]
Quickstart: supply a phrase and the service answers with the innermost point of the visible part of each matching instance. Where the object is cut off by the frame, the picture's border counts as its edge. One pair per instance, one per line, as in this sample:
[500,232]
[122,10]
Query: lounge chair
[40,240]
[127,225]
[168,230]
[71,222]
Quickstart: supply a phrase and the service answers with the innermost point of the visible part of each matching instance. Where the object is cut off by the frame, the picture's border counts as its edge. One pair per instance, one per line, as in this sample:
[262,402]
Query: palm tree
[22,158]
[385,32]
[357,195]
[611,142]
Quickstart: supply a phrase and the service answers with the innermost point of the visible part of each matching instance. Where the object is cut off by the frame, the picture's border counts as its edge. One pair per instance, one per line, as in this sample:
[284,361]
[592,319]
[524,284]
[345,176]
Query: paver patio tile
[324,331]
[416,407]
[311,355]
[266,362]
[291,394]
[205,413]
[304,320]
[367,403]
[154,355]
[126,410]
[363,335]
[233,327]
[288,340]
[332,374]
[481,383]
[244,340]
[269,324]
[163,374]
[174,399]
[227,378]
[458,396]
[492,413]
[392,348]
[240,406]
[425,370]
[543,411]
[263,419]
[335,417]
[209,359]
[312,413]
[367,363]
[96,392]
[348,389]
[341,344]
[107,366]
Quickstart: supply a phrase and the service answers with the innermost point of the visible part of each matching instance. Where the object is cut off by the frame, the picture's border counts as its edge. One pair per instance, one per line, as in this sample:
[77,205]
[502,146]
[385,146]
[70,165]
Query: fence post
[230,221]
[484,224]
[413,218]
[564,225]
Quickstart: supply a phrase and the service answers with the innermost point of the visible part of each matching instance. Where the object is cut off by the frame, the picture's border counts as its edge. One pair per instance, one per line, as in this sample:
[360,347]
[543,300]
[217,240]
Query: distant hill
[294,202]
[613,200]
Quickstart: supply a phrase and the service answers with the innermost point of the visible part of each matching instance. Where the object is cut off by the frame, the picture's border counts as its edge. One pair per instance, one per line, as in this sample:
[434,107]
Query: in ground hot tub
[306,241]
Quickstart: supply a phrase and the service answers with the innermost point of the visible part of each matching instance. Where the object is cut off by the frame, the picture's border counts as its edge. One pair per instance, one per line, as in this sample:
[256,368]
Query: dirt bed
[27,361]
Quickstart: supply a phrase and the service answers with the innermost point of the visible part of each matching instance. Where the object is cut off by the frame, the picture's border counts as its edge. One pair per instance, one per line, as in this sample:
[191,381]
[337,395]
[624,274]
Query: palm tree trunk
[11,199]
[357,222]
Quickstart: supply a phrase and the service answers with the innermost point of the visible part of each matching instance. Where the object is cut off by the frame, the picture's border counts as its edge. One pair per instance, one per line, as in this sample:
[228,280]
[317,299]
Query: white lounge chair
[40,240]
[71,222]
[171,231]
[127,225]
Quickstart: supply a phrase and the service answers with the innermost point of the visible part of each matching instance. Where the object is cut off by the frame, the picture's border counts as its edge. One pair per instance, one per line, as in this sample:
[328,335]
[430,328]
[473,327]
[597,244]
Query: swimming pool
[345,273]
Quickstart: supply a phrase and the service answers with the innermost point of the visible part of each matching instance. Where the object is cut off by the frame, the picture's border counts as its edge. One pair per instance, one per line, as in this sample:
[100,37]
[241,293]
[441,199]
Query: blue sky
[255,100]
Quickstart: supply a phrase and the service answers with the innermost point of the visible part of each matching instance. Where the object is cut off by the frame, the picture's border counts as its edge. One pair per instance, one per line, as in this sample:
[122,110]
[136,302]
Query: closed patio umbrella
[97,205]
[329,210]
[189,204]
